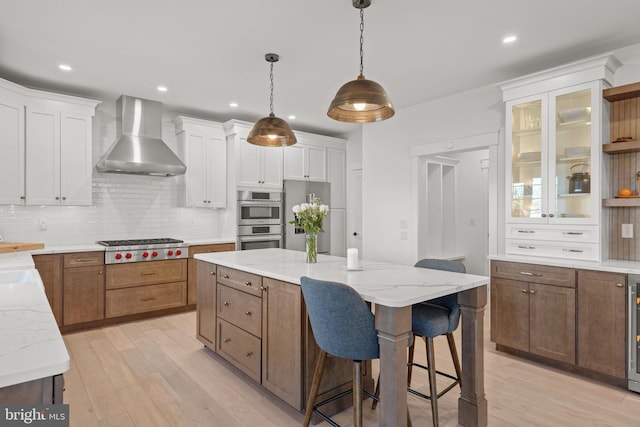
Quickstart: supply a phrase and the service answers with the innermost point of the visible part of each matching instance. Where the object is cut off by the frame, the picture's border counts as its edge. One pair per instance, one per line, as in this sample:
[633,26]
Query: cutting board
[17,247]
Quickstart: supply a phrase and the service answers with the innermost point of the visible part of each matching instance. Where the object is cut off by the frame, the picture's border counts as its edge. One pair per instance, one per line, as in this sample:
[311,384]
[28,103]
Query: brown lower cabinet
[192,292]
[84,281]
[260,325]
[602,322]
[576,317]
[50,269]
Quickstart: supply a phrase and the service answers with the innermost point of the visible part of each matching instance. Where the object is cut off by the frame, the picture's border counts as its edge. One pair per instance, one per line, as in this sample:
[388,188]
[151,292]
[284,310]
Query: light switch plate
[627,231]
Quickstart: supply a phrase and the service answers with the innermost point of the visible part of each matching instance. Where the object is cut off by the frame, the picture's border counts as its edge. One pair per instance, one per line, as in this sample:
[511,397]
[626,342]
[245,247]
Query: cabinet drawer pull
[249,354]
[247,283]
[619,285]
[532,292]
[85,259]
[213,273]
[528,273]
[262,288]
[226,304]
[23,198]
[247,313]
[226,340]
[572,250]
[527,231]
[543,215]
[225,276]
[526,247]
[551,215]
[524,291]
[573,233]
[147,299]
[148,273]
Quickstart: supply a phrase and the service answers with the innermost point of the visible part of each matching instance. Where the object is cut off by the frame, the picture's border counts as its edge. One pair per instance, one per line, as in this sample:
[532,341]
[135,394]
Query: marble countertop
[31,346]
[391,285]
[610,265]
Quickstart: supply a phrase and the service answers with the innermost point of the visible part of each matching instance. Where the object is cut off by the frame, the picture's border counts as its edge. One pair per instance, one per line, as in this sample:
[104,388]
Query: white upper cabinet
[11,149]
[204,148]
[555,122]
[48,138]
[305,162]
[255,167]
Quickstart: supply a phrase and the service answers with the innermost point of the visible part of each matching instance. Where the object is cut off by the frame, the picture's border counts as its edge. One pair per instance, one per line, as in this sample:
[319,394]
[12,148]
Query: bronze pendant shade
[271,131]
[361,100]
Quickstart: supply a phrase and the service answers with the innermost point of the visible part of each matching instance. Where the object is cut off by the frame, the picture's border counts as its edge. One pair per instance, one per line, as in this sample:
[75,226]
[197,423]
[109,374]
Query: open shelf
[620,93]
[621,147]
[621,202]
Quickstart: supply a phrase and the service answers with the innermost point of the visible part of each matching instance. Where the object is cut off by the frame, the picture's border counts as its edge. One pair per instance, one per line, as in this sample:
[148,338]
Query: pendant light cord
[271,97]
[361,40]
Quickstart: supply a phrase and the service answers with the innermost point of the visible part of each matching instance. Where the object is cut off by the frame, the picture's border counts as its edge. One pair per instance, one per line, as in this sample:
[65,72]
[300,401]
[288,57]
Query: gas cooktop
[138,250]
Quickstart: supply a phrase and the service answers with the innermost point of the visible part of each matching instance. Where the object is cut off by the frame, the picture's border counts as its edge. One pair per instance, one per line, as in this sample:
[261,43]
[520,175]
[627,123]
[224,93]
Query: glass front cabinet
[553,173]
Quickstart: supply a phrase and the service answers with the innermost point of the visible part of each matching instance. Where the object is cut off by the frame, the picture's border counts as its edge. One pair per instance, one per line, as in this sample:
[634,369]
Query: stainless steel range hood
[139,148]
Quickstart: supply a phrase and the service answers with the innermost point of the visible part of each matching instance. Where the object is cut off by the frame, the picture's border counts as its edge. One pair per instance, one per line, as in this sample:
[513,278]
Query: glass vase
[312,247]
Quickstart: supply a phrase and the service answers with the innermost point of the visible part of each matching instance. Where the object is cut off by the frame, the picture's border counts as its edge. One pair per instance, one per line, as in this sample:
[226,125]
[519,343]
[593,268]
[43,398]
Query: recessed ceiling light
[162,88]
[292,117]
[509,39]
[64,67]
[233,104]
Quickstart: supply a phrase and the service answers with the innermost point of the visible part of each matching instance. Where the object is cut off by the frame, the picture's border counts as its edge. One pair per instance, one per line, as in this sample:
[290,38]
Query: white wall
[387,164]
[125,206]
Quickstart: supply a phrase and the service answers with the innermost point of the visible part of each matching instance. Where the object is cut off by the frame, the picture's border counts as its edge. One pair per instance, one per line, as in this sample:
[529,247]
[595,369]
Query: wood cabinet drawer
[83,259]
[240,280]
[146,273]
[240,348]
[240,308]
[534,273]
[216,247]
[120,302]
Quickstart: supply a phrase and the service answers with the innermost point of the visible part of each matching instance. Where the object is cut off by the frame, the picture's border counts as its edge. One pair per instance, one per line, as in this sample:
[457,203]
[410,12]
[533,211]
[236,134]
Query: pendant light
[361,100]
[271,131]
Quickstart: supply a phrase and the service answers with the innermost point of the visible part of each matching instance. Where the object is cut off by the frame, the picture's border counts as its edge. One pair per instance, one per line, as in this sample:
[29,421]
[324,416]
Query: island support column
[472,404]
[393,325]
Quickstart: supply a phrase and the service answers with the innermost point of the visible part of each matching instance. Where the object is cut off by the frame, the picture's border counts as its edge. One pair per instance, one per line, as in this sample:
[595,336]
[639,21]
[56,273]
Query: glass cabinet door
[571,145]
[528,159]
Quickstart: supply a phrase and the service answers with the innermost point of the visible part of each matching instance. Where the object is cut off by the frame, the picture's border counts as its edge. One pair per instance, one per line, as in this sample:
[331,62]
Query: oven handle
[631,344]
[266,203]
[259,238]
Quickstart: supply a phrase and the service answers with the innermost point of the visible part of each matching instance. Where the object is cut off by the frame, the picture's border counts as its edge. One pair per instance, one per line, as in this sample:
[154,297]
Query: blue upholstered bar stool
[343,326]
[433,318]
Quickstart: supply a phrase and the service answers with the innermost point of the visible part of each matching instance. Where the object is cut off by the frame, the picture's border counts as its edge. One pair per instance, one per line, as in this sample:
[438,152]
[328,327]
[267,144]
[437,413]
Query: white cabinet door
[271,167]
[43,157]
[12,153]
[337,171]
[196,175]
[75,160]
[316,163]
[216,155]
[338,232]
[248,171]
[294,157]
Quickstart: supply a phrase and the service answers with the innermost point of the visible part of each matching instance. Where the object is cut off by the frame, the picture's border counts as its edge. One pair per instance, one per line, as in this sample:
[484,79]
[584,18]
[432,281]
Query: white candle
[352,258]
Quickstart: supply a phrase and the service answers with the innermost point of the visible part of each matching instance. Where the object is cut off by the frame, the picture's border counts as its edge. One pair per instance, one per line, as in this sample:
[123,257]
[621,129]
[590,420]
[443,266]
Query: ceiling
[210,53]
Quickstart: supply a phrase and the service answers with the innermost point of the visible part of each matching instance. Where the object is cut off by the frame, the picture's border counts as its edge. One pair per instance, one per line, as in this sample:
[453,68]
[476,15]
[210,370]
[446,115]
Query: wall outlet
[627,231]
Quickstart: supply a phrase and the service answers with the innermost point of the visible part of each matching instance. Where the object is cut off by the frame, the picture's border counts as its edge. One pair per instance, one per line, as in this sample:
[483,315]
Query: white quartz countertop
[31,346]
[610,265]
[391,285]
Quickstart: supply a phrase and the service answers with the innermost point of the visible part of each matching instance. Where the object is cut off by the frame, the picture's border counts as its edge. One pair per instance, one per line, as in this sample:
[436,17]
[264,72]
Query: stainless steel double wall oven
[260,220]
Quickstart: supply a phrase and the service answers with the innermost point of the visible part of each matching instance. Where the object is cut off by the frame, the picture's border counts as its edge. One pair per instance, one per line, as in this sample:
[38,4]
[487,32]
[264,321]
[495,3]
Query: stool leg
[357,393]
[432,381]
[454,356]
[412,348]
[376,393]
[315,386]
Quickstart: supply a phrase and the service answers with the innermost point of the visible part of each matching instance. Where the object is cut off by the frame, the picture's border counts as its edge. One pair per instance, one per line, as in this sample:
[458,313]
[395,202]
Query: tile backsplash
[124,206]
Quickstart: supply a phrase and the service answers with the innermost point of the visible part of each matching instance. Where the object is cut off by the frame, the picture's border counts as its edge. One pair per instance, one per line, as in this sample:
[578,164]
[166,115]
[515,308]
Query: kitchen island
[33,356]
[393,289]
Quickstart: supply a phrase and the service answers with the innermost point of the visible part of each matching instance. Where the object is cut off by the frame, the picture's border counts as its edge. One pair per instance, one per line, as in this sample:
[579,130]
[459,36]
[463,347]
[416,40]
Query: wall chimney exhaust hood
[139,148]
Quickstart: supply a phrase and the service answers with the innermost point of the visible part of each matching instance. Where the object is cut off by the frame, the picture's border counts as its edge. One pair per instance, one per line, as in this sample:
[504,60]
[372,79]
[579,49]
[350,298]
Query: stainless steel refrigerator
[296,192]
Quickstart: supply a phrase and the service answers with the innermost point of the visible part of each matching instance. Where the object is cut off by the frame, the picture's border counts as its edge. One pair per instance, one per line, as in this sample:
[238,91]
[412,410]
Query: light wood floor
[155,373]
